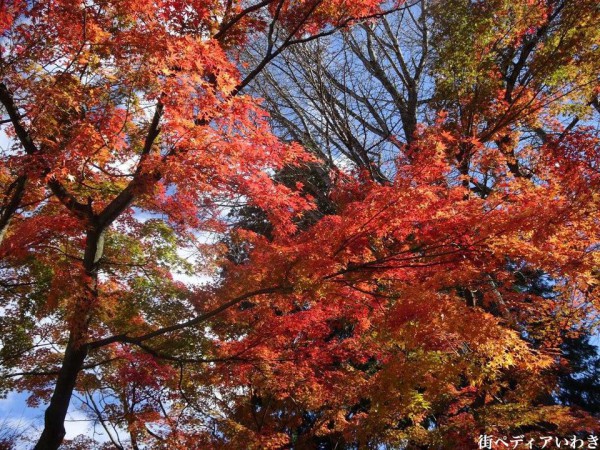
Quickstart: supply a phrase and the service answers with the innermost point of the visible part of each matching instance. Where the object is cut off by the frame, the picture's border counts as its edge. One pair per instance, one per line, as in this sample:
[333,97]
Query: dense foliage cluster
[301,223]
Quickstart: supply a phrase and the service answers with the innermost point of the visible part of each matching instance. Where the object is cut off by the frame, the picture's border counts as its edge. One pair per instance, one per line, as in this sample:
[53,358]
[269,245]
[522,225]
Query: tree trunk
[54,418]
[77,349]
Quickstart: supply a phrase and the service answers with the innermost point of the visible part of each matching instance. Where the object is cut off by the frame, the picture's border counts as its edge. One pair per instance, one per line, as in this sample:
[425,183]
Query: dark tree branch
[81,210]
[15,193]
[124,338]
[126,196]
[226,26]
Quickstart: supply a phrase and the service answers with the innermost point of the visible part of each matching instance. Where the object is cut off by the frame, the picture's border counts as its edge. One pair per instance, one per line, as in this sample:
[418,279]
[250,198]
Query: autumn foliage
[159,262]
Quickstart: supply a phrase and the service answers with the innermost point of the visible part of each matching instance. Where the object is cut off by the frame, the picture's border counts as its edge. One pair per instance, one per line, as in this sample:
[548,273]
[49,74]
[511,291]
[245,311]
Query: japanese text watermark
[519,442]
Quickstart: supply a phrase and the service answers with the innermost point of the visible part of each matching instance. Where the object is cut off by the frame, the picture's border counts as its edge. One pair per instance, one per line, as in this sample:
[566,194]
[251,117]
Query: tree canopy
[301,224]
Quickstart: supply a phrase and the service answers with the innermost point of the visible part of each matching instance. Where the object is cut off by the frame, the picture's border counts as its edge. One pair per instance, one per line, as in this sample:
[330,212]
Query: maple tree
[372,288]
